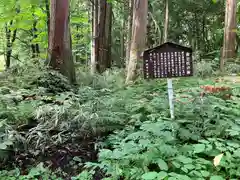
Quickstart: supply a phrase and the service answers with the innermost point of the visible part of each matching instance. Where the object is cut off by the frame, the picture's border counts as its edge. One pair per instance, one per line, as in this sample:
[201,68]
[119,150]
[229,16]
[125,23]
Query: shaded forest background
[195,24]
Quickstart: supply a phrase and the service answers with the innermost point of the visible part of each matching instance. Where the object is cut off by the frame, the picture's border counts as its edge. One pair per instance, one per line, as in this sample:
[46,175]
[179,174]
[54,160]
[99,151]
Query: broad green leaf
[8,143]
[232,144]
[214,152]
[117,154]
[3,146]
[189,166]
[177,165]
[198,148]
[196,173]
[184,159]
[237,153]
[162,175]
[205,173]
[184,177]
[144,142]
[173,174]
[172,178]
[184,169]
[78,159]
[162,164]
[150,175]
[204,141]
[2,123]
[39,13]
[217,178]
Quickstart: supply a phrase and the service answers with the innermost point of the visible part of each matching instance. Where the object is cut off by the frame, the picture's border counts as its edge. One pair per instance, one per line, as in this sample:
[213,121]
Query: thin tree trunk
[9,47]
[129,32]
[35,46]
[48,15]
[94,50]
[108,35]
[229,42]
[166,22]
[10,37]
[47,8]
[204,38]
[150,37]
[123,33]
[139,28]
[122,44]
[197,31]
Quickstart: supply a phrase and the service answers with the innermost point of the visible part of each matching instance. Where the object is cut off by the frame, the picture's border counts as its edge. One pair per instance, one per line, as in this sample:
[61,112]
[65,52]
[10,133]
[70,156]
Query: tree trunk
[9,47]
[129,32]
[197,28]
[35,46]
[60,47]
[104,32]
[94,49]
[10,37]
[121,61]
[47,9]
[101,44]
[139,28]
[108,35]
[166,22]
[229,41]
[101,32]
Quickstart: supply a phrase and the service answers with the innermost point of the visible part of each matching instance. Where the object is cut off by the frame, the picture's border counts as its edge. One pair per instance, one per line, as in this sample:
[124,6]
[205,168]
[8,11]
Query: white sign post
[168,61]
[169,80]
[170,97]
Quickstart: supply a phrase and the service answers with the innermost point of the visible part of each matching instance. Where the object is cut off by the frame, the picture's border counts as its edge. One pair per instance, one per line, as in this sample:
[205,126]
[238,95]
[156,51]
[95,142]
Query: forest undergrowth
[102,129]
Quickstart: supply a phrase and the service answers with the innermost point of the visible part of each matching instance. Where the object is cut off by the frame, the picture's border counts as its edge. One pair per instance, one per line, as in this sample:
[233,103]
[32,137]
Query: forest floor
[233,79]
[105,124]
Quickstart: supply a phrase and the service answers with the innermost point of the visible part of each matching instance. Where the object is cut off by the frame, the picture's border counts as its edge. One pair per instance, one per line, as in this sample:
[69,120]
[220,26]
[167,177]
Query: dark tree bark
[104,32]
[60,48]
[108,35]
[10,37]
[35,46]
[101,44]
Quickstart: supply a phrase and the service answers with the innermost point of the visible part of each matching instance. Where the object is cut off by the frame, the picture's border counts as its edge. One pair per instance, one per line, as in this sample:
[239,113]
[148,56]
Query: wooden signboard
[166,61]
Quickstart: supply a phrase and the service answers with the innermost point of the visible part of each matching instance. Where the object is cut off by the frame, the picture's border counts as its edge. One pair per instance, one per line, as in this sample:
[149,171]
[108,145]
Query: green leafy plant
[158,148]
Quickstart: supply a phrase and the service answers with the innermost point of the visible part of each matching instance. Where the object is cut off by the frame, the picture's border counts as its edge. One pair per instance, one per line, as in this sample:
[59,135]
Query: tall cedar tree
[229,42]
[101,43]
[139,28]
[60,44]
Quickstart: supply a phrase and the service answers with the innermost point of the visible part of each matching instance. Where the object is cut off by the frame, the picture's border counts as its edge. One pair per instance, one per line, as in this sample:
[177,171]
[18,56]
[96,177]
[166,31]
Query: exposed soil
[58,157]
